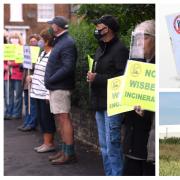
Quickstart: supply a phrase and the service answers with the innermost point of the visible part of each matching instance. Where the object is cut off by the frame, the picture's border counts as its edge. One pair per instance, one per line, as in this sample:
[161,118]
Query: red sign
[177,24]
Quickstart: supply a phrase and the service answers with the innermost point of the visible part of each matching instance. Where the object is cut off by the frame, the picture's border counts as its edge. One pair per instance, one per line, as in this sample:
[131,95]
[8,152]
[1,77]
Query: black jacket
[110,61]
[136,136]
[60,69]
[137,130]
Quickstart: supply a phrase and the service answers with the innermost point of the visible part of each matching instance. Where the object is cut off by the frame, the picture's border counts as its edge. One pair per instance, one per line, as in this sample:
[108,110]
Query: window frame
[16,12]
[44,19]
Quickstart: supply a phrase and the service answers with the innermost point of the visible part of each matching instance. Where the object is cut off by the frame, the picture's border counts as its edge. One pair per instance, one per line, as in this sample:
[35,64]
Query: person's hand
[90,76]
[139,111]
[9,63]
[28,79]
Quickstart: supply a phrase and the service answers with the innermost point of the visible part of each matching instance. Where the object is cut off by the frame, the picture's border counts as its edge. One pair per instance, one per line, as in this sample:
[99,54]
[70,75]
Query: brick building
[32,18]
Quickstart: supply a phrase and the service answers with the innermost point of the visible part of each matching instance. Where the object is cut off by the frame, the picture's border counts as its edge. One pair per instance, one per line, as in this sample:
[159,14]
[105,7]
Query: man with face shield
[142,46]
[110,61]
[139,138]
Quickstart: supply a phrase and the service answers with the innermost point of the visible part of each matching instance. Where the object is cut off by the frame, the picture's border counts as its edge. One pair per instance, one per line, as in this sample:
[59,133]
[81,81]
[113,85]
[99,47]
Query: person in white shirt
[41,94]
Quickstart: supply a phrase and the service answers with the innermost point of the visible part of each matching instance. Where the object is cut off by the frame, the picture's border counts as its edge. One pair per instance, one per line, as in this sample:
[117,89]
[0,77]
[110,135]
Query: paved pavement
[21,160]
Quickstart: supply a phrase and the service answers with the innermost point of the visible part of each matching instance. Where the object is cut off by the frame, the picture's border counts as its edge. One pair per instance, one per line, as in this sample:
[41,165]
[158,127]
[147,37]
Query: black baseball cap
[109,21]
[60,21]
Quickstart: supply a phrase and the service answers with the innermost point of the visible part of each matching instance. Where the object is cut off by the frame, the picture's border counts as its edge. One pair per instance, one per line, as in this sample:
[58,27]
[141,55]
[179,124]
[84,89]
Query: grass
[169,158]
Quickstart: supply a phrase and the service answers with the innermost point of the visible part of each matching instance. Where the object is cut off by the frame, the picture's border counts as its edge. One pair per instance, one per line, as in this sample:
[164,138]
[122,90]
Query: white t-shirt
[38,89]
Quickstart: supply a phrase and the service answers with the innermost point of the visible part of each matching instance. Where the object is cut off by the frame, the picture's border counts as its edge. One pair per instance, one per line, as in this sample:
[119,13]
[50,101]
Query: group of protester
[50,84]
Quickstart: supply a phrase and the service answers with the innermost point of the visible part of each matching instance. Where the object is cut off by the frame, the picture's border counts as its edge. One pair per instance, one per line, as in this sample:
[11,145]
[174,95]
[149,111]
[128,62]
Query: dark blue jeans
[30,120]
[13,98]
[110,142]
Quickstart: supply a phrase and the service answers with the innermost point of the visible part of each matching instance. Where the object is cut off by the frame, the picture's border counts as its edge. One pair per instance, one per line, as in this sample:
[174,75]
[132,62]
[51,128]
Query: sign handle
[29,98]
[8,76]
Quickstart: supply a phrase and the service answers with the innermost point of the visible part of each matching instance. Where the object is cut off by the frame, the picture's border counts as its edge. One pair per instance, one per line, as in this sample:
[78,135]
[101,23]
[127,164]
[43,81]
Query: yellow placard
[90,63]
[114,91]
[139,85]
[19,54]
[15,52]
[9,52]
[34,53]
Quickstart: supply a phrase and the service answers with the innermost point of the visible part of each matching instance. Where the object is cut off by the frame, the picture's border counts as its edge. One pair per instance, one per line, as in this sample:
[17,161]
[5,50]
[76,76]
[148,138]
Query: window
[45,12]
[74,8]
[16,12]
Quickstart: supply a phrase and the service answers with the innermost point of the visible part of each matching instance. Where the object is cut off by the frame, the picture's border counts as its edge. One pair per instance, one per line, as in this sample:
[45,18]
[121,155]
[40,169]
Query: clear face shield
[137,46]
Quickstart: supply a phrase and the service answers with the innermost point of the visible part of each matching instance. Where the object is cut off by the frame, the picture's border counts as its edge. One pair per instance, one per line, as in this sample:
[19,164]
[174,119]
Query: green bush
[172,140]
[86,44]
[128,15]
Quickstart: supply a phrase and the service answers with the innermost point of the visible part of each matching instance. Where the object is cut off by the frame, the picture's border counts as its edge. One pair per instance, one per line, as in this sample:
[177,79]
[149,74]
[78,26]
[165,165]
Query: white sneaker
[38,147]
[46,148]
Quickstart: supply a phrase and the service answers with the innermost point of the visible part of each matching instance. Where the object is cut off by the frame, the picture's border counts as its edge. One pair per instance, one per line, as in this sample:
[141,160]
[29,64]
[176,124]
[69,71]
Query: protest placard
[34,53]
[27,63]
[90,63]
[114,91]
[173,23]
[19,54]
[139,85]
[27,57]
[9,52]
[15,52]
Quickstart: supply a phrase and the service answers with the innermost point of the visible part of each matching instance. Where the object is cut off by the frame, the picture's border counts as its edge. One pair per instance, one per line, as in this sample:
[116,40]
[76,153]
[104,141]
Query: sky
[169,108]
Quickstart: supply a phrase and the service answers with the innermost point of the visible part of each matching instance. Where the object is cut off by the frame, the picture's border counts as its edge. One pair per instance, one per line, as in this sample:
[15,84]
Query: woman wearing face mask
[12,84]
[30,118]
[41,95]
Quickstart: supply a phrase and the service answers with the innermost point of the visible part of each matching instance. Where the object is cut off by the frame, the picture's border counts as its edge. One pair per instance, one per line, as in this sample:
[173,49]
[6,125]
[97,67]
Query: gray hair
[146,27]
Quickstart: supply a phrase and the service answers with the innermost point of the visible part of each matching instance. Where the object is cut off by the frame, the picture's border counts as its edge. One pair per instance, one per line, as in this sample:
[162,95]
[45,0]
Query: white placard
[173,22]
[27,57]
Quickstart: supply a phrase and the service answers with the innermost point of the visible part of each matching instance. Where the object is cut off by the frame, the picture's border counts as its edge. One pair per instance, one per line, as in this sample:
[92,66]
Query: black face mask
[51,32]
[98,35]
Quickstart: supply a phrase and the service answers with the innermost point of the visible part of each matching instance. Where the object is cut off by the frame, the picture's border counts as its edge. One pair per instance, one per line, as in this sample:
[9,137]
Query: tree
[128,15]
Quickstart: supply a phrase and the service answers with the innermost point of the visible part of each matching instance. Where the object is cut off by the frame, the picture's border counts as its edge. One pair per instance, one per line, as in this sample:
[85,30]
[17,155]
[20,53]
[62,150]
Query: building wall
[85,126]
[30,17]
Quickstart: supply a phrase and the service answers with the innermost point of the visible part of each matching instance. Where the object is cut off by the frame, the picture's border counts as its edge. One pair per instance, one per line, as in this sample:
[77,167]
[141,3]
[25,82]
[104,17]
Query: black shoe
[7,117]
[15,118]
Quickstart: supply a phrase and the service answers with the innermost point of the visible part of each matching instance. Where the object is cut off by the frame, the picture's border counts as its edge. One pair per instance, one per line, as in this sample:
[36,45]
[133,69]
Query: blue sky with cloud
[169,108]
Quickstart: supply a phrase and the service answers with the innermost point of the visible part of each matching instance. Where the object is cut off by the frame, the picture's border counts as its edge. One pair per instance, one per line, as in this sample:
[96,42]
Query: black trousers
[45,117]
[134,167]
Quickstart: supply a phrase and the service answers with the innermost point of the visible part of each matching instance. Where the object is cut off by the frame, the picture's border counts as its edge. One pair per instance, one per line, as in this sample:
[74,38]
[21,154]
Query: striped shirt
[38,89]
